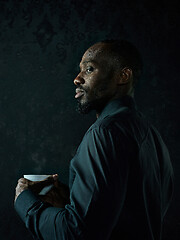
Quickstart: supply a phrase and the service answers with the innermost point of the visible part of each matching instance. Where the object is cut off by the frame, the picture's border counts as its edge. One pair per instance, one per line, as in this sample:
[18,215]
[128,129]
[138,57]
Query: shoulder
[107,130]
[108,123]
[127,125]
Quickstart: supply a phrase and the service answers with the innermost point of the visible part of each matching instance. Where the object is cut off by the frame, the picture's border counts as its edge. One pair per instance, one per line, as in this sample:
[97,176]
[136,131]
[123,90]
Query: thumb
[49,180]
[55,177]
[39,185]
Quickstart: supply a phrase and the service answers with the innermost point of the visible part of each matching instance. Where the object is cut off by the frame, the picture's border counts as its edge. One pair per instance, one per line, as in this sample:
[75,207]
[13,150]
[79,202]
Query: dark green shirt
[120,183]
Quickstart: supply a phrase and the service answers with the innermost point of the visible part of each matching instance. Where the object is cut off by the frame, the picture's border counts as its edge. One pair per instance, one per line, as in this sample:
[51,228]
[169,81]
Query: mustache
[81,89]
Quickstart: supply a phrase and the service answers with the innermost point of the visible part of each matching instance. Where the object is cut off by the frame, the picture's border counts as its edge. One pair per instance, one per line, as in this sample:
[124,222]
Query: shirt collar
[117,105]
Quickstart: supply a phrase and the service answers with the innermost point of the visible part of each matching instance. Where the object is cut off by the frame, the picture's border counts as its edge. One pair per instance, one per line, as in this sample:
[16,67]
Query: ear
[124,76]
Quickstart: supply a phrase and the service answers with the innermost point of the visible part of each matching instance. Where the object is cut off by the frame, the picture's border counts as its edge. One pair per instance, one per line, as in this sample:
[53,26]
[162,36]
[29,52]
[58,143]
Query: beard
[94,100]
[84,108]
[89,105]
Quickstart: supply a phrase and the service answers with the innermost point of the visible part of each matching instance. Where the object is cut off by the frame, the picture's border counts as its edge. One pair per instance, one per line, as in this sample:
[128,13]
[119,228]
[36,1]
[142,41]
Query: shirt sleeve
[97,193]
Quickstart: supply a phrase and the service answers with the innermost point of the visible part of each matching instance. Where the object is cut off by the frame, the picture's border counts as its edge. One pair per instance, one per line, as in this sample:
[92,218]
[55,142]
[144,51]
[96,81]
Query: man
[121,176]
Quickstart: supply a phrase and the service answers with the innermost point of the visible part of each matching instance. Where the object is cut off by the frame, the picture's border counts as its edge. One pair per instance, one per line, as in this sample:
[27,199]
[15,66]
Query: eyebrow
[85,62]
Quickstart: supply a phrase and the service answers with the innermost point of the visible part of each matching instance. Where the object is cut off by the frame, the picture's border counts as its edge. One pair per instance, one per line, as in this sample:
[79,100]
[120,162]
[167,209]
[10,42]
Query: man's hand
[36,187]
[58,196]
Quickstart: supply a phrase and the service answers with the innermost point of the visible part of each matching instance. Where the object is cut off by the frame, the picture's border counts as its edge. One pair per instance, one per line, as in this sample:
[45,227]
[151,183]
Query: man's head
[108,70]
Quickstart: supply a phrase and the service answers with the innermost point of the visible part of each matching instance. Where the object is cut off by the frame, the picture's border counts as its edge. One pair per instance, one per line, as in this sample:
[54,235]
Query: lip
[79,92]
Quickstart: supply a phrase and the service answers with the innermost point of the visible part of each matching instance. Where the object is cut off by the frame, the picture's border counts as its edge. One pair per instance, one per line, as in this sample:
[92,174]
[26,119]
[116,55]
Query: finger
[39,185]
[22,184]
[23,180]
[55,177]
[58,184]
[49,180]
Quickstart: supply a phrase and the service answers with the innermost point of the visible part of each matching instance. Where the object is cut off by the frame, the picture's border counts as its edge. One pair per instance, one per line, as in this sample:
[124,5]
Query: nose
[79,80]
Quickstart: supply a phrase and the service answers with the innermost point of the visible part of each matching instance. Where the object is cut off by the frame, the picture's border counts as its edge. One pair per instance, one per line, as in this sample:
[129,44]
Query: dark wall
[41,44]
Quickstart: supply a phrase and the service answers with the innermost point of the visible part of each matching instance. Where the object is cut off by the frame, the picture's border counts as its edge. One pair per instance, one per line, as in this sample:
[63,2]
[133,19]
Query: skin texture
[99,81]
[24,184]
[58,196]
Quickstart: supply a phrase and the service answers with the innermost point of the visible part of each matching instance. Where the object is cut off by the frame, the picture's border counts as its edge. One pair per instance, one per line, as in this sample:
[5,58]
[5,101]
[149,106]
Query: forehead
[96,53]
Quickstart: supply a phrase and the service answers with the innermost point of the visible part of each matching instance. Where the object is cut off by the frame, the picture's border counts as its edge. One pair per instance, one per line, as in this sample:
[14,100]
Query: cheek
[98,84]
[103,85]
[90,84]
[97,80]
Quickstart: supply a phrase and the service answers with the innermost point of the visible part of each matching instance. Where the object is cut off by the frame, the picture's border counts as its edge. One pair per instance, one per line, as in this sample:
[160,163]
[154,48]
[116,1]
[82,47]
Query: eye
[89,69]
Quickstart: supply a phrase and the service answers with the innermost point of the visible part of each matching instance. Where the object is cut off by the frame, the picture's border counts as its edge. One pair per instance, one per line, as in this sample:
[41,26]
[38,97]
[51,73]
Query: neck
[130,94]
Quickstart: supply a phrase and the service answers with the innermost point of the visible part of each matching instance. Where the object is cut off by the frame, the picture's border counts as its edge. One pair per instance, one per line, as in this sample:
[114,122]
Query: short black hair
[127,55]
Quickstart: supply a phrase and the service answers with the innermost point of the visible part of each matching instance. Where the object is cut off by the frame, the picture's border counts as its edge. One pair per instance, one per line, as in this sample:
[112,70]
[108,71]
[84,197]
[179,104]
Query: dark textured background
[41,43]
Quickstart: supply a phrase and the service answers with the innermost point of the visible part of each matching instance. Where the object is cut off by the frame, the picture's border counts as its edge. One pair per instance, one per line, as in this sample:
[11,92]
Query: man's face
[95,82]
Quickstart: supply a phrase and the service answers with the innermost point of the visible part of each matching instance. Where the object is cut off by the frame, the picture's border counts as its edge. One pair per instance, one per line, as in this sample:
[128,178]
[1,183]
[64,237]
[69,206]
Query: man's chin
[84,108]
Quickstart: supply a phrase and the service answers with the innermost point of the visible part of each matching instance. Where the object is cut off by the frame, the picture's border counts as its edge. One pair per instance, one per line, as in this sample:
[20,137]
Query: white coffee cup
[35,178]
